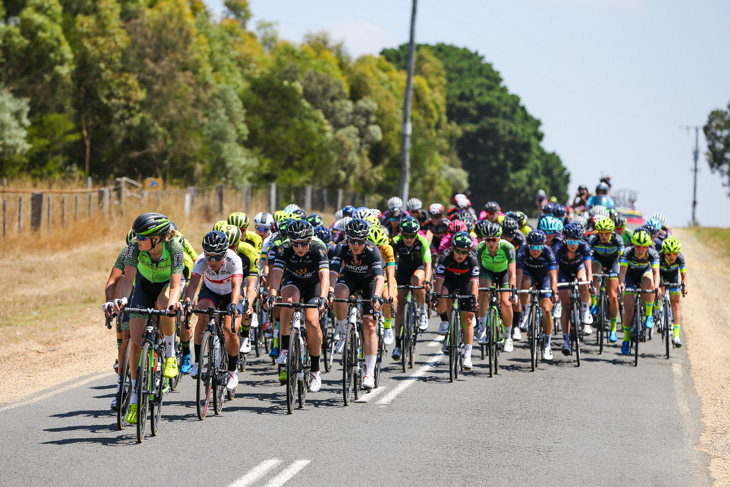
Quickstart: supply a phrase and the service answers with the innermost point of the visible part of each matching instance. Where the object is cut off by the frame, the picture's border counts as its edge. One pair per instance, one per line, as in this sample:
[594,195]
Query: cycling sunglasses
[536,248]
[394,219]
[354,241]
[409,235]
[491,239]
[604,233]
[461,251]
[549,232]
[262,229]
[214,258]
[300,243]
[140,238]
[573,242]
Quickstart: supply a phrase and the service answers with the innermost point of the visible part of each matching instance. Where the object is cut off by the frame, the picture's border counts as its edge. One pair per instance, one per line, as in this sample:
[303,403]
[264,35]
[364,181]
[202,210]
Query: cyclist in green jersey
[497,266]
[620,222]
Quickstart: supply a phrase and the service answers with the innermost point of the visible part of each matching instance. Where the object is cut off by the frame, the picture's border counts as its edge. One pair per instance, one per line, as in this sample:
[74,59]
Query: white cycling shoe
[315,381]
[547,353]
[232,382]
[245,345]
[422,322]
[388,337]
[467,363]
[516,333]
[587,318]
[282,357]
[443,328]
[368,383]
[508,345]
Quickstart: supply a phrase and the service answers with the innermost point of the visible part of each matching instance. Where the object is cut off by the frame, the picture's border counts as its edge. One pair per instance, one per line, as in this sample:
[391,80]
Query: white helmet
[338,214]
[414,204]
[395,201]
[362,213]
[661,217]
[291,207]
[264,220]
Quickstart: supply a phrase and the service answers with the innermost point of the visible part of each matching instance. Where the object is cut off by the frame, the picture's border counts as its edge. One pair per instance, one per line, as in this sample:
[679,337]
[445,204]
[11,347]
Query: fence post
[308,198]
[339,199]
[90,205]
[246,196]
[36,211]
[76,207]
[20,214]
[5,215]
[272,197]
[324,199]
[219,197]
[104,201]
[88,182]
[63,210]
[121,196]
[50,213]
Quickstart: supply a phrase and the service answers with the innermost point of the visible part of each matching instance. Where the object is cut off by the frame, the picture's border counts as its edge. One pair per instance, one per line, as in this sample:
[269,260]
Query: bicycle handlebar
[574,283]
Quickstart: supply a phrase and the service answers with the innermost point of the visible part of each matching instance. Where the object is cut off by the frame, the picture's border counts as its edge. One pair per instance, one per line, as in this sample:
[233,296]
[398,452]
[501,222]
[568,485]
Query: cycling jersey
[446,242]
[634,264]
[171,261]
[541,264]
[670,272]
[626,236]
[568,266]
[414,256]
[438,231]
[448,268]
[367,264]
[249,259]
[606,252]
[119,264]
[220,282]
[518,240]
[386,252]
[497,263]
[190,254]
[303,269]
[253,239]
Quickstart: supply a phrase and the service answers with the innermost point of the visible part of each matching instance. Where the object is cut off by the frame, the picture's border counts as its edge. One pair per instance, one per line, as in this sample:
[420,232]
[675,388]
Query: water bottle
[216,351]
[155,362]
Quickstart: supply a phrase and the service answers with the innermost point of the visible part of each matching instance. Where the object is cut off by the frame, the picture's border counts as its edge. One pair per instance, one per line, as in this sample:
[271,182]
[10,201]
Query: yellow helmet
[219,225]
[378,236]
[372,221]
[233,233]
[239,219]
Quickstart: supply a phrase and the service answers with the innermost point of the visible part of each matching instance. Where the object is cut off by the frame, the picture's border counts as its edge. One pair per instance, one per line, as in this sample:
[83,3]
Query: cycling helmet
[611,212]
[130,236]
[315,219]
[536,237]
[300,214]
[655,223]
[233,233]
[479,227]
[341,224]
[215,243]
[463,203]
[671,245]
[263,220]
[559,211]
[436,209]
[395,201]
[509,227]
[649,229]
[291,207]
[491,207]
[462,240]
[602,187]
[299,230]
[361,213]
[378,236]
[456,226]
[151,225]
[283,227]
[620,221]
[598,210]
[583,187]
[605,224]
[550,224]
[520,217]
[372,220]
[220,224]
[348,210]
[491,230]
[468,218]
[641,238]
[660,216]
[357,229]
[548,208]
[173,227]
[573,231]
[239,219]
[394,212]
[280,215]
[414,204]
[409,225]
[323,233]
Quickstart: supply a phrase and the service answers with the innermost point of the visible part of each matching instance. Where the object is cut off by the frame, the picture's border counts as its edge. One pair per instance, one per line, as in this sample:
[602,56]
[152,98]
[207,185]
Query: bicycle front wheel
[124,395]
[349,360]
[144,386]
[407,335]
[638,329]
[453,346]
[205,376]
[668,331]
[575,330]
[158,384]
[175,381]
[292,366]
[305,366]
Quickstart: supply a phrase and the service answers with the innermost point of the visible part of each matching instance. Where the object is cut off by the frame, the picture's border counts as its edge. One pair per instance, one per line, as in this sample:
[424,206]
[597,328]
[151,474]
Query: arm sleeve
[200,266]
[132,258]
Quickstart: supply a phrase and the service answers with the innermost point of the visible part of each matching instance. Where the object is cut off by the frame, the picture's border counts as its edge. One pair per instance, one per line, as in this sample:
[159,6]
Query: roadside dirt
[705,313]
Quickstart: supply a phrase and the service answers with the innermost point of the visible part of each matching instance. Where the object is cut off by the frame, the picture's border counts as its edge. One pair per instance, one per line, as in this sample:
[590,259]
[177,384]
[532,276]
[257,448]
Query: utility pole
[695,170]
[405,147]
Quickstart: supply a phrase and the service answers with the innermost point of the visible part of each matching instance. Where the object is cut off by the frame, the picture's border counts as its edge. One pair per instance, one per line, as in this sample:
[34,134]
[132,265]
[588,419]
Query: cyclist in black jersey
[301,268]
[673,271]
[607,249]
[357,267]
[512,233]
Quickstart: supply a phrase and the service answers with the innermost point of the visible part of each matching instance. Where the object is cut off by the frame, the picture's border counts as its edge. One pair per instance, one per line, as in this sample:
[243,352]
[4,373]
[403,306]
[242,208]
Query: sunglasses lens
[490,239]
[356,242]
[409,235]
[140,238]
[301,243]
[535,247]
[214,258]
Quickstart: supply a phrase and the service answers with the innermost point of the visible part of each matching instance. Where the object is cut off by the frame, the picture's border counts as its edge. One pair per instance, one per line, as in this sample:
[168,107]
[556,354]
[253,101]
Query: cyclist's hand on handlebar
[427,285]
[232,310]
[174,307]
[119,304]
[330,297]
[108,308]
[376,301]
[621,287]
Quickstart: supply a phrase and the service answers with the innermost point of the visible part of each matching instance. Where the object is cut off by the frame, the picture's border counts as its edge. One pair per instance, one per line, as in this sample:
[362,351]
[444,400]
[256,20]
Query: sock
[524,309]
[508,332]
[284,343]
[482,320]
[423,308]
[593,300]
[548,340]
[370,364]
[613,323]
[245,331]
[675,330]
[388,323]
[444,317]
[467,351]
[185,347]
[627,333]
[398,342]
[343,326]
[170,345]
[134,391]
[649,307]
[315,363]
[232,362]
[119,343]
[196,348]
[584,307]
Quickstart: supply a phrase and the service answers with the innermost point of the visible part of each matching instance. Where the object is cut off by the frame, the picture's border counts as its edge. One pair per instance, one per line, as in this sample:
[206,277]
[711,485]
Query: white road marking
[435,359]
[56,391]
[365,397]
[256,473]
[437,342]
[681,399]
[287,473]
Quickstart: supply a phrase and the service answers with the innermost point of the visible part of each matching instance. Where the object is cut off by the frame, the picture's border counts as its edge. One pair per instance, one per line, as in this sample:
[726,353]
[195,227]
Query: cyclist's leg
[485,280]
[585,292]
[419,275]
[628,317]
[310,295]
[546,303]
[647,283]
[674,295]
[597,268]
[564,294]
[612,292]
[289,294]
[369,331]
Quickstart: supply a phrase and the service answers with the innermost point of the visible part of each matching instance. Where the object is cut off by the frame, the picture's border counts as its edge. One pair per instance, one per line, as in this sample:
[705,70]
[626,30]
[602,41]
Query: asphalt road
[603,423]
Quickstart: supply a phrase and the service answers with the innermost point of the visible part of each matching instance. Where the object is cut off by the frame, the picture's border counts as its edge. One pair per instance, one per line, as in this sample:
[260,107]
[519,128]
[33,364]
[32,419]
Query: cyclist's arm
[275,280]
[236,288]
[250,282]
[111,283]
[554,281]
[324,283]
[192,287]
[512,274]
[175,288]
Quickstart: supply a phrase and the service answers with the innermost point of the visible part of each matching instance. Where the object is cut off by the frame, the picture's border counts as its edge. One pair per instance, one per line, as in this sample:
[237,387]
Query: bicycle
[382,350]
[327,324]
[665,317]
[150,380]
[124,396]
[353,362]
[213,361]
[638,328]
[494,331]
[576,331]
[454,342]
[409,329]
[298,364]
[602,325]
[535,334]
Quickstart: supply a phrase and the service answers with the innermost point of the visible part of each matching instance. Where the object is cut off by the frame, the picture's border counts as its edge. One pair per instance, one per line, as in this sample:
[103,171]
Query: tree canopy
[717,133]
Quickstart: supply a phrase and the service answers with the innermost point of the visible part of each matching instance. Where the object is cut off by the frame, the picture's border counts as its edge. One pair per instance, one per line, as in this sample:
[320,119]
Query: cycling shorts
[541,282]
[634,279]
[220,301]
[672,278]
[609,265]
[366,287]
[500,279]
[145,294]
[309,292]
[569,274]
[404,273]
[462,287]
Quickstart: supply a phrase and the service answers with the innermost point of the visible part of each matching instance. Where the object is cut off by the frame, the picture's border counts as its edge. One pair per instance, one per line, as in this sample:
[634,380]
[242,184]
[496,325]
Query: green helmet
[372,221]
[641,238]
[151,225]
[409,225]
[605,224]
[462,240]
[239,219]
[378,236]
[671,245]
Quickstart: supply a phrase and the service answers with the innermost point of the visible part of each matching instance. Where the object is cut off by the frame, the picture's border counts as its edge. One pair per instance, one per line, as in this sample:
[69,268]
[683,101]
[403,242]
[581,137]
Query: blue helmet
[559,211]
[348,210]
[548,208]
[323,233]
[551,224]
[574,231]
[654,223]
[536,237]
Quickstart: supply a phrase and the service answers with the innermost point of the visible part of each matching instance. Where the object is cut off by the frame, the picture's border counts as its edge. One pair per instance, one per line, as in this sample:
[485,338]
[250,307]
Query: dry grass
[716,238]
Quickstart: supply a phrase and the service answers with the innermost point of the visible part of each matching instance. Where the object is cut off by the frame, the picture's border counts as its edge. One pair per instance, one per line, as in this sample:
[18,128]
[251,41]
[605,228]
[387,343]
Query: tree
[13,130]
[717,133]
[239,10]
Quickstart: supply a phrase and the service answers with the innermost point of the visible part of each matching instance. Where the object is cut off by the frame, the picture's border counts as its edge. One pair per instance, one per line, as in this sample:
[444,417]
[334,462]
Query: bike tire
[414,338]
[175,381]
[124,395]
[158,382]
[637,325]
[205,376]
[349,358]
[668,332]
[453,345]
[144,380]
[305,365]
[219,377]
[292,366]
[532,330]
[379,357]
[575,330]
[358,376]
[406,334]
[324,354]
[604,326]
[491,341]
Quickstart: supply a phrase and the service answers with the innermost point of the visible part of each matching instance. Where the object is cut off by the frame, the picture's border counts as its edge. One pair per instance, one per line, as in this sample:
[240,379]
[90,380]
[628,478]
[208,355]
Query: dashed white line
[370,395]
[435,359]
[56,391]
[681,399]
[437,342]
[286,474]
[256,473]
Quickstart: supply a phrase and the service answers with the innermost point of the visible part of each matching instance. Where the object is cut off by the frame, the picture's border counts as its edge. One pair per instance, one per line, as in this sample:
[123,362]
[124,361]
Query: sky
[612,81]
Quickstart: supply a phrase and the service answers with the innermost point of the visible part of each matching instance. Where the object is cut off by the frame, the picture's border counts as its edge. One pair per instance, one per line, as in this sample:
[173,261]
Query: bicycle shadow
[87,413]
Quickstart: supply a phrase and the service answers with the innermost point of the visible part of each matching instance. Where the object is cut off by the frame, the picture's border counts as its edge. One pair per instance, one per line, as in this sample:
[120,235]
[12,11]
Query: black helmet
[491,230]
[215,243]
[151,225]
[315,219]
[491,207]
[509,226]
[394,212]
[301,214]
[357,229]
[299,230]
[130,236]
[520,217]
[479,227]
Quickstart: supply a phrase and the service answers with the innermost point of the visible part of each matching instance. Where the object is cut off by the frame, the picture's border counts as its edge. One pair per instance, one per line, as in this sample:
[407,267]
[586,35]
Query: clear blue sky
[611,80]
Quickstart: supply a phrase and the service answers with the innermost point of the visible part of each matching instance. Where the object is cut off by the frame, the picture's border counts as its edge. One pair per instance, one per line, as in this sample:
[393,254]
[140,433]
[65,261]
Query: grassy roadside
[716,238]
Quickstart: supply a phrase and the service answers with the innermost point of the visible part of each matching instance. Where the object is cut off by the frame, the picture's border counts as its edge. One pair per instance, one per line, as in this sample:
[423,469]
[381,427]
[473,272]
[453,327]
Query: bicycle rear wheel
[379,357]
[303,377]
[532,326]
[491,343]
[292,369]
[324,354]
[205,376]
[124,395]
[575,330]
[407,335]
[349,359]
[144,386]
[604,324]
[668,331]
[637,328]
[220,369]
[358,376]
[158,384]
[453,346]
[414,338]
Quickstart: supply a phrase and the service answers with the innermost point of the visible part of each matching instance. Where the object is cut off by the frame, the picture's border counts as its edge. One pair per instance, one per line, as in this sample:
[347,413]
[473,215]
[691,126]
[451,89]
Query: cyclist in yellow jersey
[378,236]
[240,220]
[189,253]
